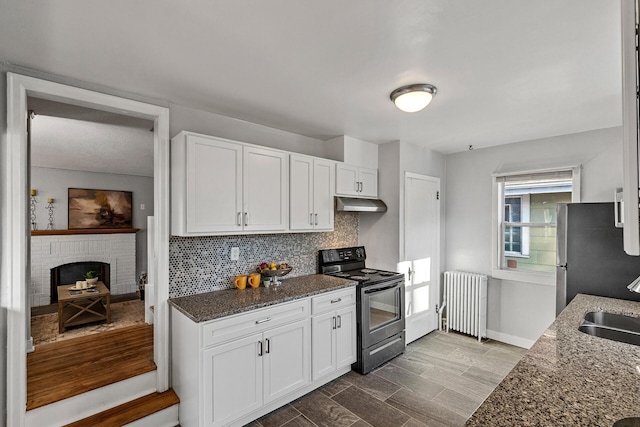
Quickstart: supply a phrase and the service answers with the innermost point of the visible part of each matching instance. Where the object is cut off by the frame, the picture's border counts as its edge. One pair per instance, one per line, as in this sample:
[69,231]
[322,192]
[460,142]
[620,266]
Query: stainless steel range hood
[348,204]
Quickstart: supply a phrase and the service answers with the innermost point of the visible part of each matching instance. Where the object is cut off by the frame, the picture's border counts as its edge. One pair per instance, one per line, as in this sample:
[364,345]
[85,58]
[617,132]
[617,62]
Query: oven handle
[372,290]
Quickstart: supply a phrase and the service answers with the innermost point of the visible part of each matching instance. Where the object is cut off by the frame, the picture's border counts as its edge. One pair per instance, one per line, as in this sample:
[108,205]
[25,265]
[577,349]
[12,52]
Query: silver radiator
[466,302]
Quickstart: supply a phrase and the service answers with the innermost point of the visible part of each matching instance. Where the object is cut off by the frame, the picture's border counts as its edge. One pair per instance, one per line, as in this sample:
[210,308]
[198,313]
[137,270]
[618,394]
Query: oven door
[382,311]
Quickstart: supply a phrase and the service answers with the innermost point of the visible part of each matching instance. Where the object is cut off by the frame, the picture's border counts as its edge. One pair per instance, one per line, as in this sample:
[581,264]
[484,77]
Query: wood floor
[67,368]
[440,380]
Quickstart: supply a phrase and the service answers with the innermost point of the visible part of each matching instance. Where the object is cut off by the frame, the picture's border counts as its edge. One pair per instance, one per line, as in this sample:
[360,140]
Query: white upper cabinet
[220,186]
[356,181]
[311,193]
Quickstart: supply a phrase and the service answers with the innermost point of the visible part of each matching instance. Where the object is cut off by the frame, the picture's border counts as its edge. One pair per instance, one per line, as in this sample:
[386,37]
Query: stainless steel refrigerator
[590,255]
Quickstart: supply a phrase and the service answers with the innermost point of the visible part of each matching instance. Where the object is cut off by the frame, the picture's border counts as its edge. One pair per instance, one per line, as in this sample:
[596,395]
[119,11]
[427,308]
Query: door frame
[16,229]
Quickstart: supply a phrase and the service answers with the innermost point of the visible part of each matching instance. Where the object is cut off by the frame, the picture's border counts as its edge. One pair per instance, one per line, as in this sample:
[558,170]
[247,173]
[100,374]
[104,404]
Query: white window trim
[534,277]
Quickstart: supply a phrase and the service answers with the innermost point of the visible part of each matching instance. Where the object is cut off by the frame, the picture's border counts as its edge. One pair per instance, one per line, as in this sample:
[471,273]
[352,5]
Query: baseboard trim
[510,339]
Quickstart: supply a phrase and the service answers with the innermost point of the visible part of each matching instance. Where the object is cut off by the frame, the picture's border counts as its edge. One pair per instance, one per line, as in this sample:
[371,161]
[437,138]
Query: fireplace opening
[68,274]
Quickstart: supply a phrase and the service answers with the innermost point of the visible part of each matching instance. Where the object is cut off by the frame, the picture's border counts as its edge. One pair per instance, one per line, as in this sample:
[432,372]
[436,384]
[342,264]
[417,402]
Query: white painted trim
[86,404]
[510,339]
[165,418]
[535,277]
[15,229]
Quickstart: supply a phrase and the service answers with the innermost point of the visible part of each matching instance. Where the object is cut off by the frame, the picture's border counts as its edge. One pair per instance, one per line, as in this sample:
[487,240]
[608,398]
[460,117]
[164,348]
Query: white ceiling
[506,70]
[65,136]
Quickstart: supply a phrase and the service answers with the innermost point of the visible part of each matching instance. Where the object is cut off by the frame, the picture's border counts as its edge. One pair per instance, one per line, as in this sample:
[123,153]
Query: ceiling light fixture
[414,97]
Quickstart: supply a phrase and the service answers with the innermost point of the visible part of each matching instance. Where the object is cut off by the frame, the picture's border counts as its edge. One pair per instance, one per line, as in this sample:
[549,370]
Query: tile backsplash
[202,264]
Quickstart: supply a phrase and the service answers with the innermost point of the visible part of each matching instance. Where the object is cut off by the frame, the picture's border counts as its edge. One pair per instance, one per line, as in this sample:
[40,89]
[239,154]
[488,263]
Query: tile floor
[439,381]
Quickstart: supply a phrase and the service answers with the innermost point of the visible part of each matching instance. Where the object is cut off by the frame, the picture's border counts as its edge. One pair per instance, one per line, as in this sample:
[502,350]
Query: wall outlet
[141,206]
[235,254]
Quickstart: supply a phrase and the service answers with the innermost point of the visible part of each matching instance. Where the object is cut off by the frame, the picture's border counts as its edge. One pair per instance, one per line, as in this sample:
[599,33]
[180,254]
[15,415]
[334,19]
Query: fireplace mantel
[84,231]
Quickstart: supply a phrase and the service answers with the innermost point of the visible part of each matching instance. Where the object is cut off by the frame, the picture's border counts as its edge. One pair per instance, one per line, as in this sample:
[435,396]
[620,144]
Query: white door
[214,185]
[346,180]
[323,360]
[368,182]
[301,193]
[420,264]
[232,380]
[286,359]
[346,336]
[323,191]
[265,190]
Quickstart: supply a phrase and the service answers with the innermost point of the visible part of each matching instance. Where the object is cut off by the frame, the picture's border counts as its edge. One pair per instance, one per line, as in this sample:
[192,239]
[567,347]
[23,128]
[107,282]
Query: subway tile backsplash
[202,264]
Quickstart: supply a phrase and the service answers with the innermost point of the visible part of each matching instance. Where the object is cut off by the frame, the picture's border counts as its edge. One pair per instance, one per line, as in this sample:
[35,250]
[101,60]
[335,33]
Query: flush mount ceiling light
[414,97]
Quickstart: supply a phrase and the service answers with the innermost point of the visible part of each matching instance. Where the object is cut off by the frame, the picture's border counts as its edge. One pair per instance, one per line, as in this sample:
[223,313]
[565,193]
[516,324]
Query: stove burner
[359,277]
[367,271]
[387,273]
[341,275]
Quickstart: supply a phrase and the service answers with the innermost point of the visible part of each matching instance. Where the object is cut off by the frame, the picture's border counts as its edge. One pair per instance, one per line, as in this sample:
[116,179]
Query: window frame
[497,217]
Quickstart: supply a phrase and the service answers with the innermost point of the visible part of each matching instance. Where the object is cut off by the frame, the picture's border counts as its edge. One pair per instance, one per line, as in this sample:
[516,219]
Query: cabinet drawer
[333,300]
[234,327]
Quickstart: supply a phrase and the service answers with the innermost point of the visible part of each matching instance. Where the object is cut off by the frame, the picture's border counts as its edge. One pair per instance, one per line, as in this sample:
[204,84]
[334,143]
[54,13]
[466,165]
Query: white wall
[190,119]
[56,182]
[519,312]
[4,293]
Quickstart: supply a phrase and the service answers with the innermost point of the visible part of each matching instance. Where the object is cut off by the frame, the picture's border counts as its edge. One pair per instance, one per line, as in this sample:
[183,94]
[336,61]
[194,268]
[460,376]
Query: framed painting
[90,209]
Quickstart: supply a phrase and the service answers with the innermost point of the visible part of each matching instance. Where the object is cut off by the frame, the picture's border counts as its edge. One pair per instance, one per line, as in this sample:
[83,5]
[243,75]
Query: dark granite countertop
[569,378]
[213,305]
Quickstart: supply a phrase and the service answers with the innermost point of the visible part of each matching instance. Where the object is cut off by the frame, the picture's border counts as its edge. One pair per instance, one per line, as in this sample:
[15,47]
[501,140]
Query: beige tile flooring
[439,381]
[44,328]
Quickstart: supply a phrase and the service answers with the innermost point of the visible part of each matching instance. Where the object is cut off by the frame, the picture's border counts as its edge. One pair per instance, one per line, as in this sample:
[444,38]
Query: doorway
[16,226]
[421,265]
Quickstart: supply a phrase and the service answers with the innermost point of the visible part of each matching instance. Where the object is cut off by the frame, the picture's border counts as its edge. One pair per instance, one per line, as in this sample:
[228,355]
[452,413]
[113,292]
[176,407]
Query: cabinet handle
[358,186]
[246,219]
[268,346]
[239,219]
[333,301]
[361,186]
[310,219]
[266,319]
[339,321]
[333,321]
[259,348]
[316,219]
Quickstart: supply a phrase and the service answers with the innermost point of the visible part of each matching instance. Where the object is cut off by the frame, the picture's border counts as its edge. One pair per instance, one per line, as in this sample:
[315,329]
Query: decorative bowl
[277,273]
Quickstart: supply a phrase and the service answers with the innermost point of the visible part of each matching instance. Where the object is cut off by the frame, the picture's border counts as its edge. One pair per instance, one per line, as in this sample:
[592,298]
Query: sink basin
[610,334]
[628,422]
[615,321]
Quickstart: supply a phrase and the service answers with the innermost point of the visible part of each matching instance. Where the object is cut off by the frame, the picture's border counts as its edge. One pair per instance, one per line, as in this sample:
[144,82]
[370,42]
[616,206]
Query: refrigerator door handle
[562,265]
[618,209]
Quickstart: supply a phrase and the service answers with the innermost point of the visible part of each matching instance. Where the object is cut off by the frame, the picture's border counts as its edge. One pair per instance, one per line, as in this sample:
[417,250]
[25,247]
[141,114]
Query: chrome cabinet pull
[333,322]
[333,301]
[361,186]
[310,219]
[246,219]
[239,219]
[339,321]
[268,346]
[316,219]
[266,319]
[259,348]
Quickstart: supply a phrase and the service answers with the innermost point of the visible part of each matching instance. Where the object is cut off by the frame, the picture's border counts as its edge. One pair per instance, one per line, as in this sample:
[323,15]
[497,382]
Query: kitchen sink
[610,334]
[628,422]
[613,321]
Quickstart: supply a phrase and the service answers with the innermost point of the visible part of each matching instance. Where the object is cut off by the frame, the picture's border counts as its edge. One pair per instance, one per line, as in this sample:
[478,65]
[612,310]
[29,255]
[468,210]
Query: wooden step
[63,369]
[130,411]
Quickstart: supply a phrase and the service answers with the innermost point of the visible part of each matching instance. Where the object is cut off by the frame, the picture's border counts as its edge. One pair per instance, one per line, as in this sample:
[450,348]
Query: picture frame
[99,209]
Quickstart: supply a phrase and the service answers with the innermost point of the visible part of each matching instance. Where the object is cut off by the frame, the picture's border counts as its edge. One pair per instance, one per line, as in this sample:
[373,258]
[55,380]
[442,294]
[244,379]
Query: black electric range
[379,304]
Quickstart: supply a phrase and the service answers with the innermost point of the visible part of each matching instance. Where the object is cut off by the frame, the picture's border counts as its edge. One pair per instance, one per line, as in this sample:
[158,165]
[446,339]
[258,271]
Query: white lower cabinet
[232,370]
[333,328]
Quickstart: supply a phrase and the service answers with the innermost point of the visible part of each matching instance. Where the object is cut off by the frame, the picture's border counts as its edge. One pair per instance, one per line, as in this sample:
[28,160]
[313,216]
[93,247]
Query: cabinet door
[346,336]
[323,192]
[265,190]
[301,193]
[286,359]
[214,185]
[368,182]
[322,345]
[346,180]
[232,380]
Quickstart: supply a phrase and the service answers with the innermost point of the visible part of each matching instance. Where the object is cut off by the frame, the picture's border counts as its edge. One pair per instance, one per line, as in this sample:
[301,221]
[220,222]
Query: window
[525,222]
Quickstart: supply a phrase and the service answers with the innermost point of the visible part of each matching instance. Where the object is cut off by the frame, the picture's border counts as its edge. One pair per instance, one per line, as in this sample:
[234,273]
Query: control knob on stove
[359,252]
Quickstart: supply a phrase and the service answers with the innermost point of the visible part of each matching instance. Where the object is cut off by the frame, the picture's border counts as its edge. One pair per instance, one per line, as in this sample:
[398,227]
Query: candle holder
[49,207]
[33,202]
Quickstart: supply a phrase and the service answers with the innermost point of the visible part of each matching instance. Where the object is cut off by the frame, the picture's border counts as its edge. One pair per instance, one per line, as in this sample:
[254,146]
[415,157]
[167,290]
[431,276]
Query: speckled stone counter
[569,378]
[213,305]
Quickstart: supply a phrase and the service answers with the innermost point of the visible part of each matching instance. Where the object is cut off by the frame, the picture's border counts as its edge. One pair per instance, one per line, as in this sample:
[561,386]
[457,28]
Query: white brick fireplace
[49,251]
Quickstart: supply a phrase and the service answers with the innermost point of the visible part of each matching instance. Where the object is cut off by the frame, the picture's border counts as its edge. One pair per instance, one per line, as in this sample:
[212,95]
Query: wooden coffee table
[81,307]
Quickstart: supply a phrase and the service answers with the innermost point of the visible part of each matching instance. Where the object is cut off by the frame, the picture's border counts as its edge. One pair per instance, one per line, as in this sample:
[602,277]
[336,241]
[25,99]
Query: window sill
[538,278]
[516,255]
